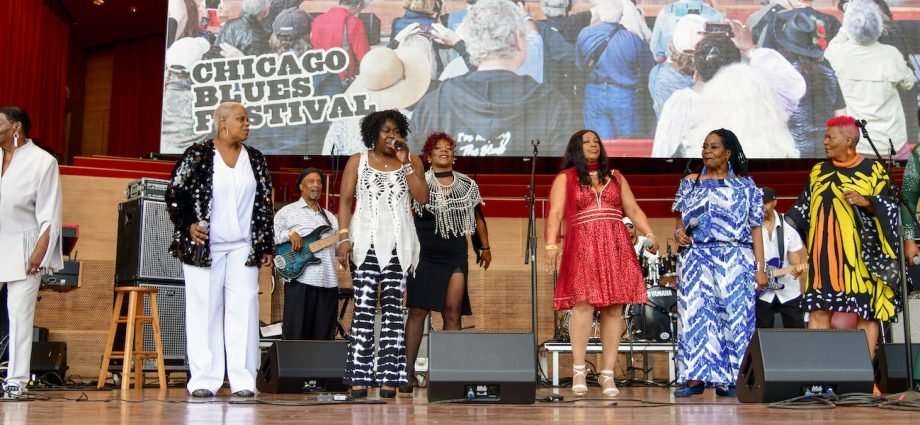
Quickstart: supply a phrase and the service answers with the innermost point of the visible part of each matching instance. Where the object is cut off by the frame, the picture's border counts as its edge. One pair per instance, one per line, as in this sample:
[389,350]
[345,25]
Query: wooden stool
[134,338]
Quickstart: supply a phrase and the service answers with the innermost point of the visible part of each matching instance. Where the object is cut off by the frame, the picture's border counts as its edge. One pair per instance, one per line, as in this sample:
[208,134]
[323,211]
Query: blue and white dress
[716,294]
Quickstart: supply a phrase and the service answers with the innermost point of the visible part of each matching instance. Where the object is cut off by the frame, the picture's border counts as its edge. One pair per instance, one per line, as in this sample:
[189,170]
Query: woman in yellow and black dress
[847,216]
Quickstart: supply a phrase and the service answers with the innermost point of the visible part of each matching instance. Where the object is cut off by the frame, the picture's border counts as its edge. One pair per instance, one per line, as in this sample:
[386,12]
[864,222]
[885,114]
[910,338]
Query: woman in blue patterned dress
[719,231]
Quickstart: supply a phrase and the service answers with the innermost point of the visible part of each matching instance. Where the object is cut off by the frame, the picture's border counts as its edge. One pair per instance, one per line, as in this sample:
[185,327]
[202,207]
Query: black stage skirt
[439,259]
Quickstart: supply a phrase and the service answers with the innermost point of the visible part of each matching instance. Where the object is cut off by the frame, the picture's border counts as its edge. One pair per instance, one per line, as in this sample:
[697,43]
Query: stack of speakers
[142,259]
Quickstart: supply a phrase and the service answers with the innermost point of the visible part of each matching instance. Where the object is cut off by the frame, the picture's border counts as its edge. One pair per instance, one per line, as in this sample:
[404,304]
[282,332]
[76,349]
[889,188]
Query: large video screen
[652,78]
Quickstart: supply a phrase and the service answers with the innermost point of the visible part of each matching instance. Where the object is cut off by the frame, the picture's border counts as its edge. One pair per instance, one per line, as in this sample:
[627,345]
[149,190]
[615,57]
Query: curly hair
[863,21]
[575,157]
[433,140]
[491,29]
[712,53]
[373,122]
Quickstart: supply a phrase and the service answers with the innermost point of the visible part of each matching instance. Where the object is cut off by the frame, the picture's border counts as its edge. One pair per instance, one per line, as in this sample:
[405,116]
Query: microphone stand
[531,257]
[911,392]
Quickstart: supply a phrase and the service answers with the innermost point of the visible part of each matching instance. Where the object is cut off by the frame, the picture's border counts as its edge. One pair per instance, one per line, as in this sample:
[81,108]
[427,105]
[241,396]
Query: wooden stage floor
[175,407]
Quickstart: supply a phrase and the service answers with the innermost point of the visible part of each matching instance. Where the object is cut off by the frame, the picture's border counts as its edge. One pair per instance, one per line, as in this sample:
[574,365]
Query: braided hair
[737,160]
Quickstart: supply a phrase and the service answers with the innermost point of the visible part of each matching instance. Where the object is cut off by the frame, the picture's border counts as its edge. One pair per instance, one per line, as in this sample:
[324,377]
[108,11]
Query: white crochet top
[383,218]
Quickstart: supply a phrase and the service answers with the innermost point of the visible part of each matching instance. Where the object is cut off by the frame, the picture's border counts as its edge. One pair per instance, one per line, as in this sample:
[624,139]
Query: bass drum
[652,321]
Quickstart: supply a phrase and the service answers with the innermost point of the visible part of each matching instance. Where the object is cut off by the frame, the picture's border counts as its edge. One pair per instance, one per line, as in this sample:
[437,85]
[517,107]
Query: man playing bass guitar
[310,296]
[785,256]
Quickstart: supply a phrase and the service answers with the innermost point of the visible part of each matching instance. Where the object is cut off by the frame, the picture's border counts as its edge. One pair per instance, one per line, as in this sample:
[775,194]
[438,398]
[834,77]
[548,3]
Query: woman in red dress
[599,269]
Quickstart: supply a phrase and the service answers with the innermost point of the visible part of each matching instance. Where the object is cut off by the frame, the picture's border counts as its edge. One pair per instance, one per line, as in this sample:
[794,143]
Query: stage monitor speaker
[49,357]
[482,367]
[784,363]
[303,366]
[142,251]
[890,367]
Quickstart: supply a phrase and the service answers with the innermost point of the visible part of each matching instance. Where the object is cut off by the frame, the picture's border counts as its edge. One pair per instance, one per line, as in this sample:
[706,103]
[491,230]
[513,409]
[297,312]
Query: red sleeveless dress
[599,264]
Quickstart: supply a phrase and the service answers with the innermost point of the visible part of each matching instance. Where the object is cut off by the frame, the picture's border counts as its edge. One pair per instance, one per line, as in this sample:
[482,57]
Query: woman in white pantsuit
[30,234]
[220,201]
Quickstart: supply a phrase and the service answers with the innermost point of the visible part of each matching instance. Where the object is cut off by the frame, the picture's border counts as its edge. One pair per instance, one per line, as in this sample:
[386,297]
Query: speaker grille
[156,263]
[171,303]
[144,235]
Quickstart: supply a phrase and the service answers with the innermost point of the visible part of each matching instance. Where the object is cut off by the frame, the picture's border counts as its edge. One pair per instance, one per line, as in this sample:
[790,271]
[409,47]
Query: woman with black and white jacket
[220,200]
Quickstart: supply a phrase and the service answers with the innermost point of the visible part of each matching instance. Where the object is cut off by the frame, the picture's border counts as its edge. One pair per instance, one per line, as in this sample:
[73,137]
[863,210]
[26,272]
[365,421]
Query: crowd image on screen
[652,77]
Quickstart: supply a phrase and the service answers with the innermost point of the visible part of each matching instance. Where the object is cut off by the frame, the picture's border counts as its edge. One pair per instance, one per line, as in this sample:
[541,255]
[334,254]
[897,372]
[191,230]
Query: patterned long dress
[853,252]
[716,293]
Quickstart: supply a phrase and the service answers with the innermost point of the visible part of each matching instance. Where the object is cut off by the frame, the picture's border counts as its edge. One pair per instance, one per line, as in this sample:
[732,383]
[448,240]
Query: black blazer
[188,200]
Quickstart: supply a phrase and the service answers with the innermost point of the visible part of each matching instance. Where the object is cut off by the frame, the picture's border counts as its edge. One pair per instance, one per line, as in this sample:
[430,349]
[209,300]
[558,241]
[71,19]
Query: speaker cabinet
[171,304]
[890,367]
[482,367]
[303,366]
[142,251]
[784,363]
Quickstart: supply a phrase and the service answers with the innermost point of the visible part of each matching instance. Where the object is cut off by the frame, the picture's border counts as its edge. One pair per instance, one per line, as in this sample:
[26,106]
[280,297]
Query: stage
[635,406]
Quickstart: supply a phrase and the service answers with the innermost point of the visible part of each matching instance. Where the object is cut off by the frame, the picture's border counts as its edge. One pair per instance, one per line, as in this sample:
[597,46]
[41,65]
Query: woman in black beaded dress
[454,210]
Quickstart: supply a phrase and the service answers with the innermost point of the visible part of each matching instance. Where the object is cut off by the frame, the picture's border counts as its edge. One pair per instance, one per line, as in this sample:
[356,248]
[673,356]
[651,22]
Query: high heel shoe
[608,383]
[579,372]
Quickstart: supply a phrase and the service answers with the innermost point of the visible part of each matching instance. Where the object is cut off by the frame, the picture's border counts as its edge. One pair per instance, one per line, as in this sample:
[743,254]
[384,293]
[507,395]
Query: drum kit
[654,321]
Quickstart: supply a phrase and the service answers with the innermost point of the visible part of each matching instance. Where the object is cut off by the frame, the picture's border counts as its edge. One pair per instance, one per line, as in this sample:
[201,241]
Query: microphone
[647,243]
[694,222]
[688,230]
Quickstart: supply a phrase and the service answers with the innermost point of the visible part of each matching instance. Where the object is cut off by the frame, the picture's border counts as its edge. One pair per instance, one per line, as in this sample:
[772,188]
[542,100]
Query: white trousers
[222,316]
[20,303]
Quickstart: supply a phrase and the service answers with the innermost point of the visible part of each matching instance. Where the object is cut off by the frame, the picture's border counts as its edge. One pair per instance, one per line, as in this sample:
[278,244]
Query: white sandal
[579,372]
[608,383]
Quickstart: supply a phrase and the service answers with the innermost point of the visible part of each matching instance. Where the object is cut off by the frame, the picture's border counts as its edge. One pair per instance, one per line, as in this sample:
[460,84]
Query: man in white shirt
[786,300]
[639,242]
[310,300]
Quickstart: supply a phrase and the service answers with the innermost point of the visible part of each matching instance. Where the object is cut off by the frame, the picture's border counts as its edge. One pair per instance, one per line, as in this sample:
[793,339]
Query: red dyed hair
[841,121]
[433,140]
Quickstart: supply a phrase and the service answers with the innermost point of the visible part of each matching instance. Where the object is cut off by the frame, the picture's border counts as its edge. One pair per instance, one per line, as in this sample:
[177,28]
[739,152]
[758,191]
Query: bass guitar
[290,264]
[774,273]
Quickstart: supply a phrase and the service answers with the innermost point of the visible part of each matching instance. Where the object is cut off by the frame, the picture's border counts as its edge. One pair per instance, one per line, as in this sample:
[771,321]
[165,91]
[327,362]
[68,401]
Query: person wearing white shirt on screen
[786,300]
[870,74]
[310,300]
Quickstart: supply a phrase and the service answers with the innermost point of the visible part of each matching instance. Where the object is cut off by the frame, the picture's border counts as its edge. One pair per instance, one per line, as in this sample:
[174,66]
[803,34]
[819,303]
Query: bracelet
[410,168]
[551,247]
[343,231]
[342,241]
